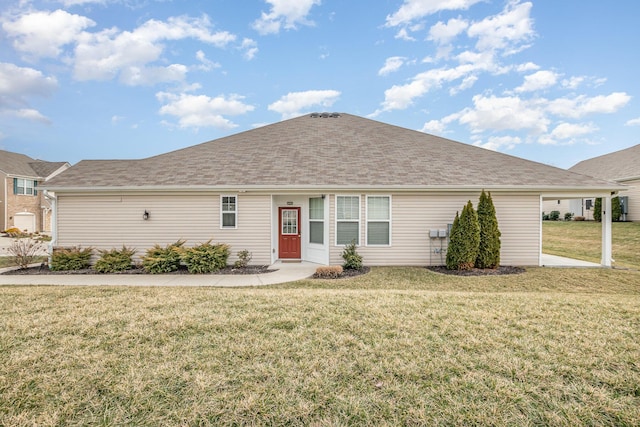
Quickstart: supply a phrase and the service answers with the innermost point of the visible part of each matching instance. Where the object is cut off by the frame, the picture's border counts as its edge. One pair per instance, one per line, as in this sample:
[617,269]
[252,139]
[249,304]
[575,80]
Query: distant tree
[464,240]
[616,209]
[597,210]
[489,246]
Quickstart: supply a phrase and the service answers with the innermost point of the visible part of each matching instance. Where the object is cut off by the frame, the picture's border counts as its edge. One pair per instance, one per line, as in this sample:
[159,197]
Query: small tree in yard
[489,247]
[24,251]
[464,241]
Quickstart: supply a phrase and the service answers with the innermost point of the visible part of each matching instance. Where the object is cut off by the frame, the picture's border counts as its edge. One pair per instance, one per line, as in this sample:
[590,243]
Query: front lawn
[398,346]
[582,240]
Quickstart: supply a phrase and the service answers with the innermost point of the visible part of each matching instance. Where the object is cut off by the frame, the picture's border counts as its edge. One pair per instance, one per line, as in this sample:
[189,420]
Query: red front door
[289,233]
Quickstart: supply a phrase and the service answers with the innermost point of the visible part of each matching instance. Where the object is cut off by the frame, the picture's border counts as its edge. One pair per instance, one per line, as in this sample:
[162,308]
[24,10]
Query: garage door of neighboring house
[25,221]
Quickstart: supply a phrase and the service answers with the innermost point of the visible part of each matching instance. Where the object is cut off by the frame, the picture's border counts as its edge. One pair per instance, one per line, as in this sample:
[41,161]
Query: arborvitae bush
[352,259]
[206,258]
[464,240]
[115,260]
[616,209]
[489,247]
[160,259]
[75,258]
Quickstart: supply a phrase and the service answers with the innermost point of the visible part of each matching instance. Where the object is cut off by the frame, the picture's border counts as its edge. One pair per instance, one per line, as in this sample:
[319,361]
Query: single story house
[622,167]
[21,204]
[303,188]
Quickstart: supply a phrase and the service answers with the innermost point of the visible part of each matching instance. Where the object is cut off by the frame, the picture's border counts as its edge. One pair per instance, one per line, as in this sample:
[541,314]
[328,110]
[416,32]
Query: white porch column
[606,232]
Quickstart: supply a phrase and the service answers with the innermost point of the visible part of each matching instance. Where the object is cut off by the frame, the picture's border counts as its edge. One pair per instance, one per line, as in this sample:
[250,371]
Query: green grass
[399,346]
[582,240]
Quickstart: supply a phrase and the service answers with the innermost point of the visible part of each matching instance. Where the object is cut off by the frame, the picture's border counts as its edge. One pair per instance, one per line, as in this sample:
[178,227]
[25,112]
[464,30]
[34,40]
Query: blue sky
[550,81]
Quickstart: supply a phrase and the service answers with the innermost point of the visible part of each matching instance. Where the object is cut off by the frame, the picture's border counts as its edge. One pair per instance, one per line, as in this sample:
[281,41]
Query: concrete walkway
[547,260]
[286,272]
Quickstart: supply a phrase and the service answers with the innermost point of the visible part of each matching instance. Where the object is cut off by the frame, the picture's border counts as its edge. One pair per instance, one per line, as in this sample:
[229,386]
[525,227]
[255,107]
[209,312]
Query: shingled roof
[21,165]
[617,166]
[325,152]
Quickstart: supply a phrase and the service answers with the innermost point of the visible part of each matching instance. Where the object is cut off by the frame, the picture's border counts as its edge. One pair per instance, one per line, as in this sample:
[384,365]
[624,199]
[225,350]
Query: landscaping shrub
[568,216]
[554,215]
[115,260]
[13,232]
[24,251]
[464,241]
[616,209]
[328,272]
[160,259]
[352,259]
[76,258]
[489,246]
[206,258]
[244,257]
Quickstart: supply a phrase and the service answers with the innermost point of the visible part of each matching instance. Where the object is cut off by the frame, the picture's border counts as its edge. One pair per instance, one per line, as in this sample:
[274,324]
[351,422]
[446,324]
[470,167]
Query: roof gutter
[324,188]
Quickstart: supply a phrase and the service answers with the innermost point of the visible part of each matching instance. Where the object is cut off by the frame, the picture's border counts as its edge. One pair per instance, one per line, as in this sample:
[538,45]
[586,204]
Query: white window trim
[378,220]
[26,186]
[223,212]
[359,219]
[323,221]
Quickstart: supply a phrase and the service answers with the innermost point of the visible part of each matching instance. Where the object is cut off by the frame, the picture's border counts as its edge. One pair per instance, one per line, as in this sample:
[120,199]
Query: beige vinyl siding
[634,199]
[413,215]
[109,221]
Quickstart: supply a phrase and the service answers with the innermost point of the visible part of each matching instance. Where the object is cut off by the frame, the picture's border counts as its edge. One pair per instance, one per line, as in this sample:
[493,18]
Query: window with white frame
[228,211]
[24,186]
[316,220]
[379,220]
[347,220]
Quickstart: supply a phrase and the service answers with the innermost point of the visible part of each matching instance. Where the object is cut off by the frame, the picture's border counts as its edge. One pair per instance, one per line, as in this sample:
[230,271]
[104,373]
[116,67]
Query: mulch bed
[347,273]
[503,269]
[43,270]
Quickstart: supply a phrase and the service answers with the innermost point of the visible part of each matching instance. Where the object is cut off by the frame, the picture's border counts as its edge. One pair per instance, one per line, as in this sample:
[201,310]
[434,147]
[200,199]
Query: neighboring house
[22,205]
[576,207]
[622,167]
[305,187]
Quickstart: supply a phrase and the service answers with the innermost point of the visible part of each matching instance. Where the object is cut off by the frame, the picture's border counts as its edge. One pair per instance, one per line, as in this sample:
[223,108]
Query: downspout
[54,222]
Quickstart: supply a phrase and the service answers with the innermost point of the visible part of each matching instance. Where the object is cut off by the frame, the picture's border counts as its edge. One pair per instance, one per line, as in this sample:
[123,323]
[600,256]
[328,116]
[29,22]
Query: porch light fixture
[146,215]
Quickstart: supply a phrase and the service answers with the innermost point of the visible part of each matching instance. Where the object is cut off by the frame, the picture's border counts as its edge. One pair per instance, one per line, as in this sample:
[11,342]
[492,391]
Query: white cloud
[43,34]
[505,31]
[19,82]
[403,34]
[437,127]
[442,33]
[496,143]
[205,63]
[391,65]
[529,66]
[572,130]
[250,48]
[30,114]
[412,10]
[504,113]
[109,53]
[573,82]
[291,104]
[17,85]
[539,80]
[633,122]
[285,14]
[196,111]
[582,105]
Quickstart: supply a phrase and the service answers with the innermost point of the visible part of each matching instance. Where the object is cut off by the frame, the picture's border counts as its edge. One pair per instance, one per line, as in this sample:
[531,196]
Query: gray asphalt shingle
[345,151]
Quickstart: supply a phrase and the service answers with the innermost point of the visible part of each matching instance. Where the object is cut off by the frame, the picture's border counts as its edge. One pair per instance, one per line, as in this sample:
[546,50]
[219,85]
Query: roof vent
[324,115]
